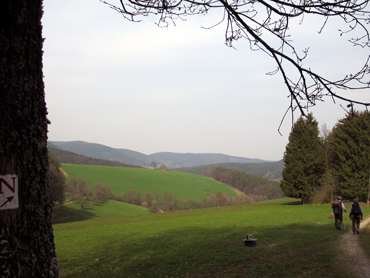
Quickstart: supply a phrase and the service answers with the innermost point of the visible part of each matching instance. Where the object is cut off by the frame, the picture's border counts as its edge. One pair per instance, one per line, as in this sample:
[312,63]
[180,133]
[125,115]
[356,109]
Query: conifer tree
[303,160]
[350,147]
[328,180]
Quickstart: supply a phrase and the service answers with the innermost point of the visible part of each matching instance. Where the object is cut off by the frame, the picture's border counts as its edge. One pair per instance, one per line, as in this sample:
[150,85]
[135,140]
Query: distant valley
[80,152]
[170,159]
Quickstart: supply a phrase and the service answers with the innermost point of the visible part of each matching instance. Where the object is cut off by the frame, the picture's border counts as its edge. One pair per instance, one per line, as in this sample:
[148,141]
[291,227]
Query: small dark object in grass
[250,242]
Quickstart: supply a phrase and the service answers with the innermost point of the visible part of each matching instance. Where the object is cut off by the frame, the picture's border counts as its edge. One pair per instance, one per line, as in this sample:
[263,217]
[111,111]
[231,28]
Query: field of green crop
[293,241]
[119,179]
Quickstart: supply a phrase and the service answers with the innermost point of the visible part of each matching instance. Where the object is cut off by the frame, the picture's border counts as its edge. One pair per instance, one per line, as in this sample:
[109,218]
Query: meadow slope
[293,241]
[119,179]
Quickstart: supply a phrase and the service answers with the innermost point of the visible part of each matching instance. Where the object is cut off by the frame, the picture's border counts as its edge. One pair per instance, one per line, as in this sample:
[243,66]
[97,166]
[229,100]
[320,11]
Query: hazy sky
[140,87]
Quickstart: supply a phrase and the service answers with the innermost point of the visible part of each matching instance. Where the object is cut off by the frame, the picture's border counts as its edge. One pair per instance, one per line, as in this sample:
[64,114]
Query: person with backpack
[338,208]
[356,215]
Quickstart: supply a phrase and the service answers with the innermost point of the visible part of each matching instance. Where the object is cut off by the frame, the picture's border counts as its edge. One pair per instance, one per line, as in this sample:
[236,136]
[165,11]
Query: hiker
[356,215]
[338,208]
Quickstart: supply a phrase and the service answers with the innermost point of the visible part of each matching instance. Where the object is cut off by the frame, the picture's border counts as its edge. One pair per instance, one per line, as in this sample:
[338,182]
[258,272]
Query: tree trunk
[26,236]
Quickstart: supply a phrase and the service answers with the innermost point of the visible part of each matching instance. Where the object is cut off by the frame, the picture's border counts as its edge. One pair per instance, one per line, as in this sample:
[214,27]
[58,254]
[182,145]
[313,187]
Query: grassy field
[293,241]
[103,209]
[364,239]
[119,179]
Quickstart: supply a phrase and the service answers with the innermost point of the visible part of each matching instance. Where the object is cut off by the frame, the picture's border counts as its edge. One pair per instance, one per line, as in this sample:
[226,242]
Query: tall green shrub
[303,160]
[350,144]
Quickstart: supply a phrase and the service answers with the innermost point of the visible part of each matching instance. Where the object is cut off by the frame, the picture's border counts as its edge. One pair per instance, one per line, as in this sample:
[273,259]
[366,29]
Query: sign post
[8,192]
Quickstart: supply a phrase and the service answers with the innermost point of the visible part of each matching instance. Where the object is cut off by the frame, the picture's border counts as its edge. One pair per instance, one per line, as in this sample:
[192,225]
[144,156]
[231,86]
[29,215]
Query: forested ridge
[69,157]
[270,170]
[248,184]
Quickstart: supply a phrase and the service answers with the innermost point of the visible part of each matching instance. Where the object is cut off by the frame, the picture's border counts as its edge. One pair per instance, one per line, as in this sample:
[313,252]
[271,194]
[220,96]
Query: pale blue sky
[149,89]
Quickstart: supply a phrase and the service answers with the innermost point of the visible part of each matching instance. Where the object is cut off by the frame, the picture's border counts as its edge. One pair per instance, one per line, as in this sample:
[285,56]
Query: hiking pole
[344,224]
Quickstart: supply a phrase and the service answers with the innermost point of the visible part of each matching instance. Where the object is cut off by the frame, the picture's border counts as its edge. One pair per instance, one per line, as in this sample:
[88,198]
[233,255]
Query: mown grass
[119,179]
[293,241]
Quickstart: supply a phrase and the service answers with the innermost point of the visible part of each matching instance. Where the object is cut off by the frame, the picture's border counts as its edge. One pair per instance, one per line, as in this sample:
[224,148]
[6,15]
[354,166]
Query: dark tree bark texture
[26,237]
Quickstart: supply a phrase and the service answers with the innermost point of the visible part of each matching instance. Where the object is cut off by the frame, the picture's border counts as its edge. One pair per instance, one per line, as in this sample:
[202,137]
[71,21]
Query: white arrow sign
[8,192]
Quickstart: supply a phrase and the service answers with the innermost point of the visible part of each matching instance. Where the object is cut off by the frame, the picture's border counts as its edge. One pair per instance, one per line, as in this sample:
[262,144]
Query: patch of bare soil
[353,256]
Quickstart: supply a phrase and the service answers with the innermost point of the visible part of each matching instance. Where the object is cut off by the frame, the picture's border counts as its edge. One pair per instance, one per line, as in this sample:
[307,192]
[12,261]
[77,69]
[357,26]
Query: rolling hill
[73,158]
[170,159]
[119,179]
[269,170]
[103,152]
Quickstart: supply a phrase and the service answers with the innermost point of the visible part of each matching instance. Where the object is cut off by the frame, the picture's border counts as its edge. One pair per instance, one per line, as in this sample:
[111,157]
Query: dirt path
[353,254]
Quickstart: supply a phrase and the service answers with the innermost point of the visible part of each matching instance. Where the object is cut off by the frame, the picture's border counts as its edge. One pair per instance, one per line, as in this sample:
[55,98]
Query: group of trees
[77,190]
[249,184]
[337,162]
[269,170]
[167,202]
[161,201]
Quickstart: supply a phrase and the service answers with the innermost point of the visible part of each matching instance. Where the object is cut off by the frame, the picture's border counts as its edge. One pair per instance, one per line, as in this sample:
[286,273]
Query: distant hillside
[176,160]
[103,152]
[172,160]
[73,158]
[120,180]
[249,184]
[270,170]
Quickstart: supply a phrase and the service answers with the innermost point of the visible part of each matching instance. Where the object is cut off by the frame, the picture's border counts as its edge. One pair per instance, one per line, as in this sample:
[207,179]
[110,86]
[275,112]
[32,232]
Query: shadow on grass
[101,203]
[295,250]
[68,214]
[294,203]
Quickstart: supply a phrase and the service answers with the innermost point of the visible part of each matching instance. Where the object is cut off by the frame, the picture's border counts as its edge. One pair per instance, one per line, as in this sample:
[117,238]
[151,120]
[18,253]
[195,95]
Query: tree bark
[26,237]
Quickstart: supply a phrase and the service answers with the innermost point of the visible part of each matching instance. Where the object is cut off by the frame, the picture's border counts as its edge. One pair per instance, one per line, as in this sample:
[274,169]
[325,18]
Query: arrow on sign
[8,201]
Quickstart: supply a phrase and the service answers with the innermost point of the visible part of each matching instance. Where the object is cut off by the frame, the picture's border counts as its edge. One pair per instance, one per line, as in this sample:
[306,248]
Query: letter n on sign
[8,192]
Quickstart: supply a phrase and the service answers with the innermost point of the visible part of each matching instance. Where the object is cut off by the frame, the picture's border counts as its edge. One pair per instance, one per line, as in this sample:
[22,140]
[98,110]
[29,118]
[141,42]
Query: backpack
[356,211]
[337,207]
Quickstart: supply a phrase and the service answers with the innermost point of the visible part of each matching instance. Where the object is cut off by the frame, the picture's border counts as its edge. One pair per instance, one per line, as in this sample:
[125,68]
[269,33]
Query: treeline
[157,202]
[270,170]
[77,190]
[249,184]
[320,166]
[68,157]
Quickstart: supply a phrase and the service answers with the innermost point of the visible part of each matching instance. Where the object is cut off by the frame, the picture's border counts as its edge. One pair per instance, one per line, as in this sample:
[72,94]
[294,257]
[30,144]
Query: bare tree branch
[254,19]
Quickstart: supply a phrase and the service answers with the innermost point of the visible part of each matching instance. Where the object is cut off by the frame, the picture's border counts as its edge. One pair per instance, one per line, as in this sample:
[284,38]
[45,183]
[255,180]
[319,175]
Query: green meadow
[119,179]
[103,209]
[293,241]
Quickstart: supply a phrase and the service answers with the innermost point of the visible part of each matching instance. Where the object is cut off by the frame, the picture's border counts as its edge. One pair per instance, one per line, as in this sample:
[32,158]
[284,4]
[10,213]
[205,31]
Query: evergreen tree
[303,160]
[329,184]
[350,144]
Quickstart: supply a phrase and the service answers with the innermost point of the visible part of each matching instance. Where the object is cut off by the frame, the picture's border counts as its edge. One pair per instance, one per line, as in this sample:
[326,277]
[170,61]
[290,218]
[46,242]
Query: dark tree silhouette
[266,25]
[26,236]
[303,160]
